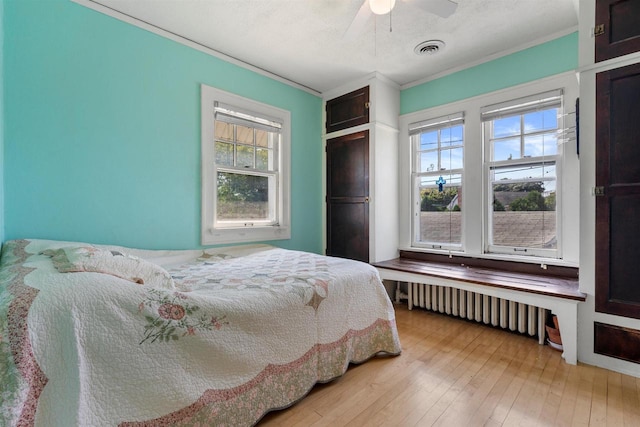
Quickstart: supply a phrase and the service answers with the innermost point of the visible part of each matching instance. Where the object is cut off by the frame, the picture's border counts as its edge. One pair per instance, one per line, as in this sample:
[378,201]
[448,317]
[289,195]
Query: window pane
[262,138]
[440,216]
[509,126]
[244,135]
[242,197]
[526,228]
[451,159]
[224,153]
[451,136]
[545,144]
[245,156]
[506,149]
[524,212]
[541,120]
[262,159]
[429,140]
[428,161]
[223,131]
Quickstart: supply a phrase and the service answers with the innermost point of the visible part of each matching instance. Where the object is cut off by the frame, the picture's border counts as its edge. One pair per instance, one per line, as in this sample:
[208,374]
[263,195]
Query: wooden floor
[458,373]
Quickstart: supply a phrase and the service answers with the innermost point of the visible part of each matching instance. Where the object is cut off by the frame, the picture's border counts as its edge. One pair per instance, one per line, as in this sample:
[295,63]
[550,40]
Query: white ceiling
[303,40]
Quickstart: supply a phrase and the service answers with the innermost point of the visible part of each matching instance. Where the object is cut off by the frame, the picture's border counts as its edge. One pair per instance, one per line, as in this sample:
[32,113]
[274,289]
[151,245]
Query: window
[245,161]
[521,148]
[437,182]
[510,175]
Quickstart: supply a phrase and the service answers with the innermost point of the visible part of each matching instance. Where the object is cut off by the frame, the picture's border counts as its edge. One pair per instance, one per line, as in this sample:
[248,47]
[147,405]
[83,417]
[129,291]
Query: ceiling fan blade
[357,25]
[442,8]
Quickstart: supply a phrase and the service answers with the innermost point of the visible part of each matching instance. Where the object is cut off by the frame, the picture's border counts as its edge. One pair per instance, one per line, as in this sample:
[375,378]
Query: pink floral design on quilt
[170,316]
[18,335]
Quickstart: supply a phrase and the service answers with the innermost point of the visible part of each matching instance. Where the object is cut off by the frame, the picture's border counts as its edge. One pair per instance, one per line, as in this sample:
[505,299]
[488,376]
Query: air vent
[430,47]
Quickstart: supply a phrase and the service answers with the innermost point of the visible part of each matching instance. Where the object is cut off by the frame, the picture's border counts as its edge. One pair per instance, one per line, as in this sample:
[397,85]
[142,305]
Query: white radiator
[481,308]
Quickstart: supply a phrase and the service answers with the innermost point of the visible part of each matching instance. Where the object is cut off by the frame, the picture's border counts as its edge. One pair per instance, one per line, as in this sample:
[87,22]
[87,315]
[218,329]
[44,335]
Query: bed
[110,336]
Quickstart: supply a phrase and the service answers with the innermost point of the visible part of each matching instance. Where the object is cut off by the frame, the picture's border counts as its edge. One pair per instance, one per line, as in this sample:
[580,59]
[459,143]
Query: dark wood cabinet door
[348,196]
[618,191]
[615,341]
[617,28]
[349,110]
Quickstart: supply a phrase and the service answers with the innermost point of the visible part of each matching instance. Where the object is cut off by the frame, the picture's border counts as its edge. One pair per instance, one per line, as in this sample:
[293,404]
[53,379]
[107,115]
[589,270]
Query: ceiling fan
[442,8]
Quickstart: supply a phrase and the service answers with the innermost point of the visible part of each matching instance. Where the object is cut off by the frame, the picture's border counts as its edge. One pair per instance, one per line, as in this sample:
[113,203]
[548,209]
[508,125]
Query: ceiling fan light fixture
[381,7]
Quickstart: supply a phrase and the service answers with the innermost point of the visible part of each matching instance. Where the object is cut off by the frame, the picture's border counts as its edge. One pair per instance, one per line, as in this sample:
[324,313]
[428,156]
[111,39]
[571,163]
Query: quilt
[111,336]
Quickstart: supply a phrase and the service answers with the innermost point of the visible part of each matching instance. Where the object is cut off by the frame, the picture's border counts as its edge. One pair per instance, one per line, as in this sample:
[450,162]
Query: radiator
[494,311]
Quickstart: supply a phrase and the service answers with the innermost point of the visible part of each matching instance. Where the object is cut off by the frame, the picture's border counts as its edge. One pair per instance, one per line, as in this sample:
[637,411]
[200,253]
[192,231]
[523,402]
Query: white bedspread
[245,330]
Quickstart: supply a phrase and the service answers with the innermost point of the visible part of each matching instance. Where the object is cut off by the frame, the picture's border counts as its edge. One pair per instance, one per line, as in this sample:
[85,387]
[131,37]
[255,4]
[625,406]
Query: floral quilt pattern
[21,379]
[303,274]
[246,330]
[170,315]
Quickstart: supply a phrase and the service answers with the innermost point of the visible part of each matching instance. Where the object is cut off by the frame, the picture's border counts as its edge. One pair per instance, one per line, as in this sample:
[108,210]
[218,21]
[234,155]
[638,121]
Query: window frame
[215,232]
[436,124]
[519,107]
[474,180]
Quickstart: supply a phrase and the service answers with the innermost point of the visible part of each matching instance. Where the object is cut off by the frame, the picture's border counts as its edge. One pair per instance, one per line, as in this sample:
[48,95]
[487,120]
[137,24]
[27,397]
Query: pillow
[115,263]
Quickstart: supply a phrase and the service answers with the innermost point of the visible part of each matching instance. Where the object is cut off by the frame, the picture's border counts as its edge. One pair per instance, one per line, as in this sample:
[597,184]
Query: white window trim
[211,235]
[474,219]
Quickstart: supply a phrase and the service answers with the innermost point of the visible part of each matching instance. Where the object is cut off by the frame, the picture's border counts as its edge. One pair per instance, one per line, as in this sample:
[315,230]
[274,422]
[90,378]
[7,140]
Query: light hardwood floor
[457,373]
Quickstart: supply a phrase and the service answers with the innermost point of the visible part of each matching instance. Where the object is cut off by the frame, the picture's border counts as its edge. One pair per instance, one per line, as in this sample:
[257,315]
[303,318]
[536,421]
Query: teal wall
[527,65]
[102,139]
[101,126]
